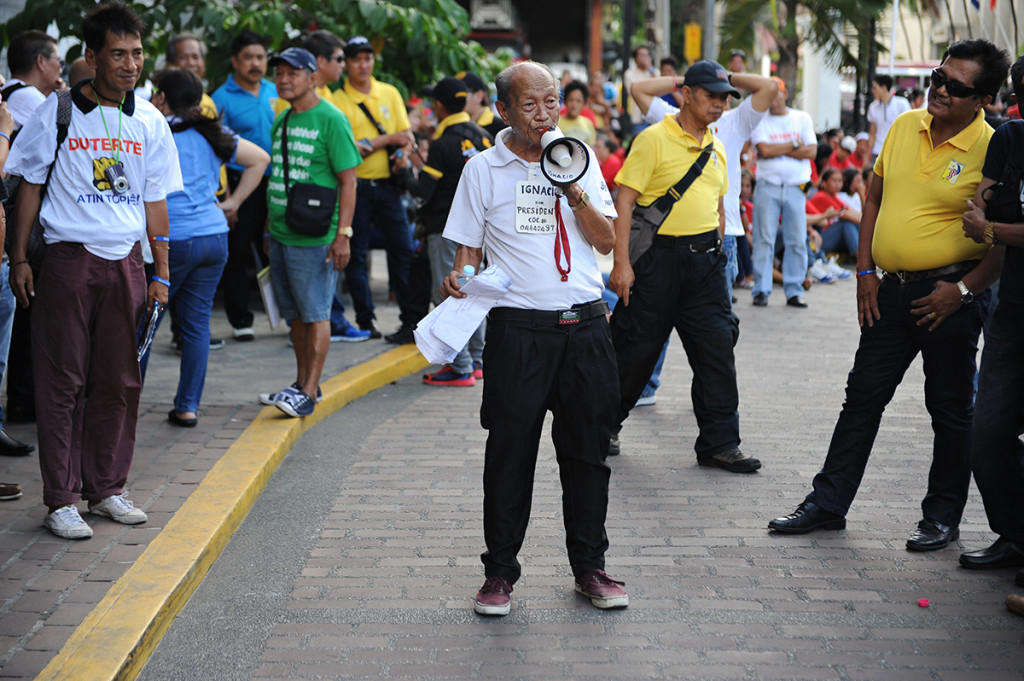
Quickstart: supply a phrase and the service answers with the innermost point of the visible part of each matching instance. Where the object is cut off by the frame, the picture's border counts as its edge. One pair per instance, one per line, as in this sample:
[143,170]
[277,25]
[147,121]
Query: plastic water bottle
[467,273]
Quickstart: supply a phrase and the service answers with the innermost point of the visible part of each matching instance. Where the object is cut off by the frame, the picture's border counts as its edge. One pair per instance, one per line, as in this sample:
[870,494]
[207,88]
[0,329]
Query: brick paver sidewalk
[382,588]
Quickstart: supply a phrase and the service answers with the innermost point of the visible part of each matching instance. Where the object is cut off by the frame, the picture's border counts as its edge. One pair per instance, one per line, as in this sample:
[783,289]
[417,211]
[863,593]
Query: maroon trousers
[85,317]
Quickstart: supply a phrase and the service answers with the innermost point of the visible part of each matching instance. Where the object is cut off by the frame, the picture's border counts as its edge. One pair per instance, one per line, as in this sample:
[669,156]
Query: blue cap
[295,57]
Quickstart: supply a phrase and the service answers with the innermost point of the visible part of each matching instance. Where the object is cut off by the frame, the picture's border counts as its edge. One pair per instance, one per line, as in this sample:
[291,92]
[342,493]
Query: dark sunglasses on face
[939,79]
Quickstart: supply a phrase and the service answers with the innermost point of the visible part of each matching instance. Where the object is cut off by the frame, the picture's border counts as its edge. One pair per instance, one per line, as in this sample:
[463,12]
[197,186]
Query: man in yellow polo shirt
[921,288]
[377,202]
[680,281]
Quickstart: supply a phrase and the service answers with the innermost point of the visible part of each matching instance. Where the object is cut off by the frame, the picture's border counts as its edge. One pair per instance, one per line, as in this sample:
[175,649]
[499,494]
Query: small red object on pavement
[923,602]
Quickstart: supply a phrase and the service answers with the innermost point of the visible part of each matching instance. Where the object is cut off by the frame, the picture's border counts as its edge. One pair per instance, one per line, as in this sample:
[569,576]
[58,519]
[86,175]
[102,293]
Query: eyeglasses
[939,79]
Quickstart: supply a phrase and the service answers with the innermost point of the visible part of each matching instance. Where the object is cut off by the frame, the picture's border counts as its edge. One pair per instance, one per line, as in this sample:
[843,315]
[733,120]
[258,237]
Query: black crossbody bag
[647,219]
[310,207]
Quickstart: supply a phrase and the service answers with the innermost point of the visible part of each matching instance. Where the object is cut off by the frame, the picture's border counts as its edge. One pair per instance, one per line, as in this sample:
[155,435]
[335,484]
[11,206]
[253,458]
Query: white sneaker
[647,400]
[818,273]
[245,334]
[836,269]
[120,510]
[67,524]
[271,399]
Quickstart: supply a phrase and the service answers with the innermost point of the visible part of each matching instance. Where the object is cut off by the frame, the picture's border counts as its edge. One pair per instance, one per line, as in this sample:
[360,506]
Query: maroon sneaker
[493,597]
[602,590]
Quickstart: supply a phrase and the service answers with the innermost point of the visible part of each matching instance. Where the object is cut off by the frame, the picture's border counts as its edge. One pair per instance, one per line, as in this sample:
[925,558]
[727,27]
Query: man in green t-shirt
[312,144]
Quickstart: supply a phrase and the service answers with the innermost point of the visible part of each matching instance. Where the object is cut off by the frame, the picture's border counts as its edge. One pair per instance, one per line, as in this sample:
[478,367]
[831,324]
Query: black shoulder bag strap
[663,204]
[284,148]
[11,89]
[380,128]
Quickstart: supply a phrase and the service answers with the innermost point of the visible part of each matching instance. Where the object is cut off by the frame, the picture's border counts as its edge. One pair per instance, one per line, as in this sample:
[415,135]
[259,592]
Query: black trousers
[247,233]
[533,368]
[678,288]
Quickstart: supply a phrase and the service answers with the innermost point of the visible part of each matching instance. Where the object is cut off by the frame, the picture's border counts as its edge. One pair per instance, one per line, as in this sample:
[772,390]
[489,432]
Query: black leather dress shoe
[173,417]
[806,518]
[761,300]
[11,447]
[931,535]
[1002,554]
[796,301]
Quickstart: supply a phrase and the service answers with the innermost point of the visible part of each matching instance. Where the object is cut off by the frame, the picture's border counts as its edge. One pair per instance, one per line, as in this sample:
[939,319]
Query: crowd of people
[150,200]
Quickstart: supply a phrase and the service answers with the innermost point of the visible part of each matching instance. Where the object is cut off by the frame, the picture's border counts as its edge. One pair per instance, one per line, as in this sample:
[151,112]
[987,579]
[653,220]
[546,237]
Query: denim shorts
[303,281]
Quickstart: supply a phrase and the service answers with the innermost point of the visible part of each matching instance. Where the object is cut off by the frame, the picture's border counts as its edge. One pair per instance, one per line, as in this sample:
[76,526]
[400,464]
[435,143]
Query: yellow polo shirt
[920,225]
[659,158]
[386,104]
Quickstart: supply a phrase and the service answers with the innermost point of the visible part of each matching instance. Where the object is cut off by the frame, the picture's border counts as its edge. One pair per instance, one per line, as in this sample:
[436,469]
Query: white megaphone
[565,159]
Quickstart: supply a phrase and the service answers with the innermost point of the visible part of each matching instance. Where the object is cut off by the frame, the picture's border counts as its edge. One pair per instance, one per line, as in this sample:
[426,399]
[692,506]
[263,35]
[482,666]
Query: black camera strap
[284,147]
[380,128]
[664,203]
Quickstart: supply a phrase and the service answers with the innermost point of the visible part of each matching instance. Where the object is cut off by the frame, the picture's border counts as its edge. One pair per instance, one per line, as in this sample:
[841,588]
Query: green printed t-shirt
[320,145]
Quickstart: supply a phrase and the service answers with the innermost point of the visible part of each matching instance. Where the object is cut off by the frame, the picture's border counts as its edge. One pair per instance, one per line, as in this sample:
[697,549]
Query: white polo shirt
[883,116]
[733,129]
[506,205]
[80,206]
[23,102]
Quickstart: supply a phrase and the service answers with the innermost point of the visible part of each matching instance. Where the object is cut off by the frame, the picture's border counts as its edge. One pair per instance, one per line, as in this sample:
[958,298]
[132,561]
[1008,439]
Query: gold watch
[584,202]
[347,231]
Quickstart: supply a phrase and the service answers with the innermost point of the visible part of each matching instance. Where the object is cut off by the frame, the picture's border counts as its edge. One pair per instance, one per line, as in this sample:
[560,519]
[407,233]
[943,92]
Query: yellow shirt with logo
[920,225]
[386,104]
[659,158]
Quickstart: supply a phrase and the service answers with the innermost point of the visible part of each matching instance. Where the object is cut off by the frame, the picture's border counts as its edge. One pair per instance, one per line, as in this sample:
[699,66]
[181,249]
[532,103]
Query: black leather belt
[574,315]
[708,242]
[905,277]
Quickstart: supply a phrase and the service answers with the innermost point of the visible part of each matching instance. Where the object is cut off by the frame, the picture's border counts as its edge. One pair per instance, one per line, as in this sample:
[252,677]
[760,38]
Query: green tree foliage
[825,22]
[418,41]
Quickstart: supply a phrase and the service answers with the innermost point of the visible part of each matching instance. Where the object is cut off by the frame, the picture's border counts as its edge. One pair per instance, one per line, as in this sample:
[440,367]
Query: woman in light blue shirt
[198,223]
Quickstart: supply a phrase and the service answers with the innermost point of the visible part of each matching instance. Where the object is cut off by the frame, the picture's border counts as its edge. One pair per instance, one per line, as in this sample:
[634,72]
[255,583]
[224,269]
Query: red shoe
[602,590]
[493,597]
[478,371]
[446,376]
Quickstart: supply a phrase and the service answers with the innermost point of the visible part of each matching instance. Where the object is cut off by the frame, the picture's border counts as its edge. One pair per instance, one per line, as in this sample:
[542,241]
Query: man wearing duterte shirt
[108,190]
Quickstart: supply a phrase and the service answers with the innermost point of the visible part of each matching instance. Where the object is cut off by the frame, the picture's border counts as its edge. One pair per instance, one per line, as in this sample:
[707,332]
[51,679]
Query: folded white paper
[446,330]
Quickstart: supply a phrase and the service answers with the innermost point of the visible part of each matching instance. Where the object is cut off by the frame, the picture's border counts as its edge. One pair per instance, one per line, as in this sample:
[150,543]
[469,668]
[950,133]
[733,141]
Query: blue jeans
[772,203]
[7,307]
[196,266]
[377,203]
[997,455]
[886,350]
[841,235]
[677,288]
[732,265]
[304,281]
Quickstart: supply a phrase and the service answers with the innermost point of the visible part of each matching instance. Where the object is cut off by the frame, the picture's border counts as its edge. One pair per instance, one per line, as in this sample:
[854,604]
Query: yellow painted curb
[121,632]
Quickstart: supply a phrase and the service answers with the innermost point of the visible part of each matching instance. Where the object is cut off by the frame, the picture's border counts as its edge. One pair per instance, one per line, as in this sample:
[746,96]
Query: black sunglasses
[939,79]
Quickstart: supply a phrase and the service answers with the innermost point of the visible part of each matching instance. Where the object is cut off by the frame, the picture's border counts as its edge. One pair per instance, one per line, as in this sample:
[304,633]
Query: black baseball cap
[474,83]
[710,76]
[295,57]
[451,92]
[357,44]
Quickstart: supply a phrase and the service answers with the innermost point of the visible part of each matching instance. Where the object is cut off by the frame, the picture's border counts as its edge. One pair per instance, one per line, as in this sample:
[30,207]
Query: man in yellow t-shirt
[680,281]
[921,288]
[377,203]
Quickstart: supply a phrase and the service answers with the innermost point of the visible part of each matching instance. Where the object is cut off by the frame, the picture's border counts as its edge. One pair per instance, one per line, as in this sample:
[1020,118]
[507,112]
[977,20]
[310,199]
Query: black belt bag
[310,207]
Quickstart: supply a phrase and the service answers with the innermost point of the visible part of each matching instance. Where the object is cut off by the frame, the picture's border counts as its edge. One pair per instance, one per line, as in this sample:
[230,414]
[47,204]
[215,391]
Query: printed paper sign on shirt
[535,205]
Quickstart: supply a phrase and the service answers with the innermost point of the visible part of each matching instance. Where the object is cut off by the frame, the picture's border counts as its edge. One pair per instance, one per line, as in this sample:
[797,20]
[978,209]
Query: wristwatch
[347,231]
[584,202]
[965,294]
[796,145]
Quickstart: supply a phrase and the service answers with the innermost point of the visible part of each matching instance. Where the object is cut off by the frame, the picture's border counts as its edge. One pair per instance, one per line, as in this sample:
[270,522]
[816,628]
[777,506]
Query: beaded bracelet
[161,280]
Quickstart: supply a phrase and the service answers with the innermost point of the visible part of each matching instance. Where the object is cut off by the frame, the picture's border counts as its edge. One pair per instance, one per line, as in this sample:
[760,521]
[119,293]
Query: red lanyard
[562,243]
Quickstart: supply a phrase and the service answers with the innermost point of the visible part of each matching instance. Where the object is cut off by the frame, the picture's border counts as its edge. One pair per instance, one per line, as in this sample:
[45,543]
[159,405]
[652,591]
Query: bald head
[513,78]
